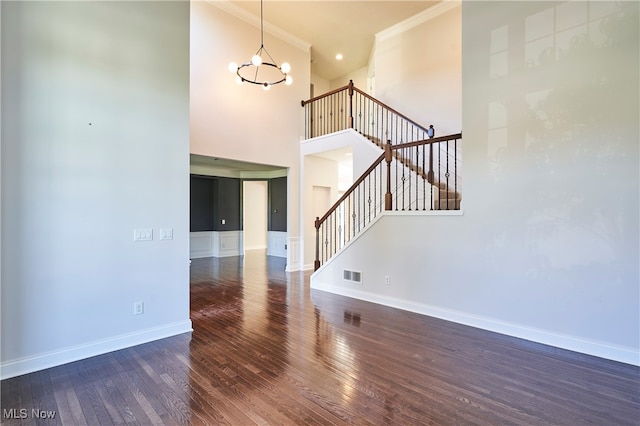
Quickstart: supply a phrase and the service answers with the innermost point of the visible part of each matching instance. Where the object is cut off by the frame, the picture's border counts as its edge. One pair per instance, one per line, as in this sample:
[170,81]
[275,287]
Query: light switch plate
[166,233]
[143,234]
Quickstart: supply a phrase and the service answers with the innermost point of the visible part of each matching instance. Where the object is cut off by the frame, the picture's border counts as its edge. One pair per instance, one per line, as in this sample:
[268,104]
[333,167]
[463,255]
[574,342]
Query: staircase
[446,197]
[415,172]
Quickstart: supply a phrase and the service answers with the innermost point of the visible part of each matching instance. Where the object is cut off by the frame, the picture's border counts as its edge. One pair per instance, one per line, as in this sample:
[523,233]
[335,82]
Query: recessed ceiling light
[339,56]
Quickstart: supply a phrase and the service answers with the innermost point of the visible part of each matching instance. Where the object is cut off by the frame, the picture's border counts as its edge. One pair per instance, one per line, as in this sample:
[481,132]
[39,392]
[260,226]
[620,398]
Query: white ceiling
[332,27]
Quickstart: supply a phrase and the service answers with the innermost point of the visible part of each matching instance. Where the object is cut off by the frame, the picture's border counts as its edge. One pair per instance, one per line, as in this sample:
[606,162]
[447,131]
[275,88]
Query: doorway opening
[255,205]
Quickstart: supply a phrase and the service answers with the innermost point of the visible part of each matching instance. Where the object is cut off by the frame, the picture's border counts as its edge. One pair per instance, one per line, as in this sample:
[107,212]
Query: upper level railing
[350,108]
[402,178]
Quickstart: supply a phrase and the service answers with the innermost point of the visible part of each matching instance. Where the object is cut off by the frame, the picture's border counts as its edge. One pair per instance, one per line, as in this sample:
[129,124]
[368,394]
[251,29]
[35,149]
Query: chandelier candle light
[258,71]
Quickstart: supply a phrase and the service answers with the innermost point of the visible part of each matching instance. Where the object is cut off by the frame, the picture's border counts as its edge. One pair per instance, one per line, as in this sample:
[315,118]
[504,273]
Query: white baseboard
[599,349]
[98,347]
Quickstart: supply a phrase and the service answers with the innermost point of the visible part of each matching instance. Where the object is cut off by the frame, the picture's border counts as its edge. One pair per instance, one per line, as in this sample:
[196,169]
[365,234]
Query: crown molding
[422,17]
[231,9]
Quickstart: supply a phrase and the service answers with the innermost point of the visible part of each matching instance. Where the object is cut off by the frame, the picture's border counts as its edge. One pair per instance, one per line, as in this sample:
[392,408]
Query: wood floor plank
[268,350]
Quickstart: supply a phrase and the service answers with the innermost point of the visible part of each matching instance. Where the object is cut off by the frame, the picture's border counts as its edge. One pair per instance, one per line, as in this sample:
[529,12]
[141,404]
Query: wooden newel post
[388,156]
[351,104]
[316,263]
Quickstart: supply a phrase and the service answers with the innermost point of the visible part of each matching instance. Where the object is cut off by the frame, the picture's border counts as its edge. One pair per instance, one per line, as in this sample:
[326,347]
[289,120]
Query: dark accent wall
[201,210]
[227,205]
[278,204]
[212,200]
[216,198]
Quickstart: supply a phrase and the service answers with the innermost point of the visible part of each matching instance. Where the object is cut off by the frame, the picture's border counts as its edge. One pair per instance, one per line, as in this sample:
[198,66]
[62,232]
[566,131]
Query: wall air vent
[354,276]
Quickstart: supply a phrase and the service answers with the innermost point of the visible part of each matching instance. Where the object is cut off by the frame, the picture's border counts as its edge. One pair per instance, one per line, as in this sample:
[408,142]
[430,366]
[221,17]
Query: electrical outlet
[138,308]
[387,281]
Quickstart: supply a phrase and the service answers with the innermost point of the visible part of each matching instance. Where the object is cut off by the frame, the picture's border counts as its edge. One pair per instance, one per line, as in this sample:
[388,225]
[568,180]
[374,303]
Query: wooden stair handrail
[352,188]
[352,88]
[325,95]
[427,141]
[382,104]
[376,162]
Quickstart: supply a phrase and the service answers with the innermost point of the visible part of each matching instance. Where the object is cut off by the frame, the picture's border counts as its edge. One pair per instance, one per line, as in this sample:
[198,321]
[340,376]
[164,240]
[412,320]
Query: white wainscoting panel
[293,252]
[277,243]
[227,243]
[215,244]
[200,244]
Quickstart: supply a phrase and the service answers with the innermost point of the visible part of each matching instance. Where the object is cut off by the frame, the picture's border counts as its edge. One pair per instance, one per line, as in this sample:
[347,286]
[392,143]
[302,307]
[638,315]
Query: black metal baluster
[416,166]
[369,199]
[333,234]
[326,117]
[447,174]
[375,183]
[339,112]
[353,214]
[322,256]
[320,117]
[455,162]
[410,163]
[424,180]
[359,199]
[359,112]
[332,118]
[439,177]
[404,178]
[329,240]
[330,123]
[320,112]
[343,113]
[380,198]
[328,237]
[347,218]
[394,140]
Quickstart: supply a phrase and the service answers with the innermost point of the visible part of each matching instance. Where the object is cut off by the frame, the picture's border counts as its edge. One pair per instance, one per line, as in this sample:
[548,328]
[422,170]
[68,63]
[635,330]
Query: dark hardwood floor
[267,350]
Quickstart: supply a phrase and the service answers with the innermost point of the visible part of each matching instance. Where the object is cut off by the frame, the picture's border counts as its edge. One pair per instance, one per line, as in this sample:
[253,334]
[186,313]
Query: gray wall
[547,248]
[95,143]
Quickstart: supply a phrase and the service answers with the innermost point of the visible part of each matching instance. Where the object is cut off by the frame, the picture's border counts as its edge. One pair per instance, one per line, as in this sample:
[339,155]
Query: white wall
[548,246]
[358,76]
[95,144]
[317,172]
[364,152]
[320,85]
[417,68]
[245,122]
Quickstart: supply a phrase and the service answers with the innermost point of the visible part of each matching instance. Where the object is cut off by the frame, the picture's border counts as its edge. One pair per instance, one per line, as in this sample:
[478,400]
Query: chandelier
[262,68]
